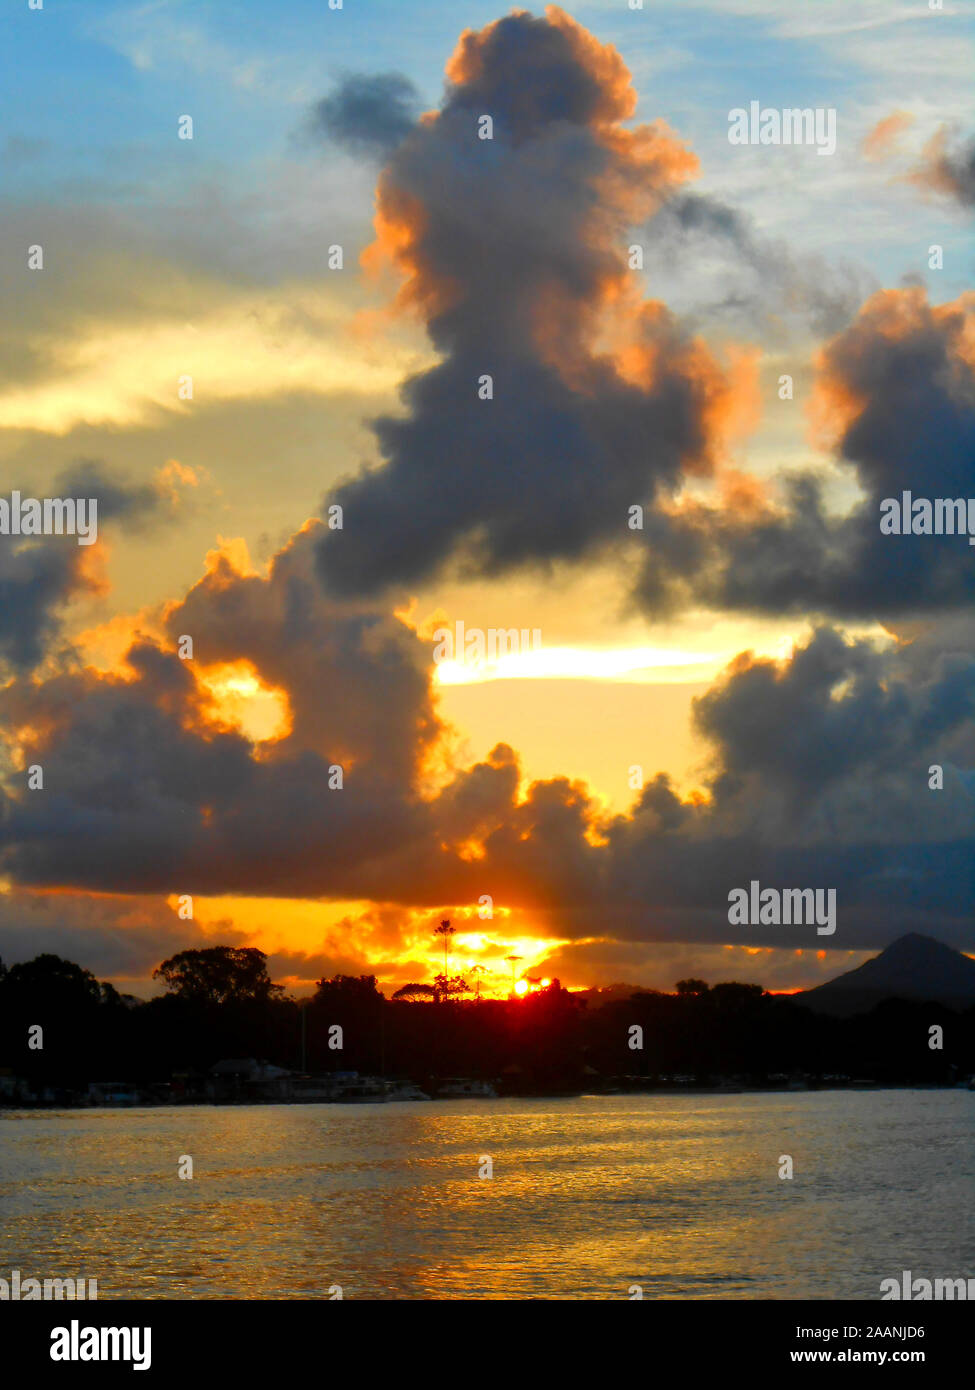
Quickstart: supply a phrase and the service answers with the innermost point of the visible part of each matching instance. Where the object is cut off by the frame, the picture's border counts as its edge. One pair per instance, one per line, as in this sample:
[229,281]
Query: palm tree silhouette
[446,931]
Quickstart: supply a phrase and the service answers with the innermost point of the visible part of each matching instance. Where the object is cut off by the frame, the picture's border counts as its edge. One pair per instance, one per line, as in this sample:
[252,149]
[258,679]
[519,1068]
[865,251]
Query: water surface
[589,1195]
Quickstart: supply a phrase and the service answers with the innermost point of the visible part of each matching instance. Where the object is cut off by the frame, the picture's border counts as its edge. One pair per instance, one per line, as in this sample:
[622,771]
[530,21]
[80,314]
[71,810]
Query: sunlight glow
[585,663]
[239,698]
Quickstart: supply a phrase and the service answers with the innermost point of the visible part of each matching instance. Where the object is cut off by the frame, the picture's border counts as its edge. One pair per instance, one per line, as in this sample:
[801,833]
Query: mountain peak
[915,944]
[914,966]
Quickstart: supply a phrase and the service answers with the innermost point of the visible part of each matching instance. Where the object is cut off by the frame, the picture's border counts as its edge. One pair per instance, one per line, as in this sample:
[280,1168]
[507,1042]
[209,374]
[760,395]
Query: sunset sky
[752,686]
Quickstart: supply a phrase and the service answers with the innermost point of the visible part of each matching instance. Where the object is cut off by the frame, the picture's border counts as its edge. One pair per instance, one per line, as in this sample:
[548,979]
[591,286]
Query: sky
[728,672]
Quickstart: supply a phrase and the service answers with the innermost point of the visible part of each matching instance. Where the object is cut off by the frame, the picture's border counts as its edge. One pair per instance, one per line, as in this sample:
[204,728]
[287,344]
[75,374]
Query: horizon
[526,985]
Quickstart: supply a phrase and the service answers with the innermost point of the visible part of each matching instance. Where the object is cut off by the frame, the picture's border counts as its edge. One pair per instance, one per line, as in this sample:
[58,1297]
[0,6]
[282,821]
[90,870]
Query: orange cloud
[892,315]
[881,141]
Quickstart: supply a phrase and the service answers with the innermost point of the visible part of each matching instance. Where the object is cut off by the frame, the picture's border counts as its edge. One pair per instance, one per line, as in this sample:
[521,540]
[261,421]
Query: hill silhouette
[912,967]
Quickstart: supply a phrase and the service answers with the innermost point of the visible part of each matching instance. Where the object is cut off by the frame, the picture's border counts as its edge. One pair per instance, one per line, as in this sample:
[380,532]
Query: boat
[405,1090]
[464,1088]
[365,1090]
[376,1090]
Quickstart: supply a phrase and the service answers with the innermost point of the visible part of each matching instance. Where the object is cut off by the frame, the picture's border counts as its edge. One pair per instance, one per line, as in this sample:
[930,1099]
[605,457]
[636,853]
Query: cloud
[895,399]
[819,778]
[152,788]
[761,283]
[40,575]
[242,346]
[947,170]
[119,498]
[881,140]
[659,965]
[371,112]
[513,252]
[124,937]
[36,579]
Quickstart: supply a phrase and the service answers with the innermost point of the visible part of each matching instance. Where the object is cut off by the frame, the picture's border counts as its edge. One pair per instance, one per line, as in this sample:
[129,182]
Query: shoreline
[255,1102]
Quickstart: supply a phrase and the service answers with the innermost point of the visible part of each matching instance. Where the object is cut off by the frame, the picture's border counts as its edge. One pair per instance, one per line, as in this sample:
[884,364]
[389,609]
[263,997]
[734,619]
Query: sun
[530,986]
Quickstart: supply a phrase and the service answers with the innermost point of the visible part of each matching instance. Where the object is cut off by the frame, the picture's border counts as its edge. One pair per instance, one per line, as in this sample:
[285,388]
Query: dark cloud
[358,680]
[818,778]
[949,170]
[896,390]
[40,575]
[368,111]
[122,937]
[512,250]
[119,498]
[36,579]
[147,789]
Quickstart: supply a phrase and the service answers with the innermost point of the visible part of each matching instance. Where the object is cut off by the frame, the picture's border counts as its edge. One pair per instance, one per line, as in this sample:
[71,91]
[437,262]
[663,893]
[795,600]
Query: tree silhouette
[347,989]
[446,931]
[446,985]
[219,975]
[416,993]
